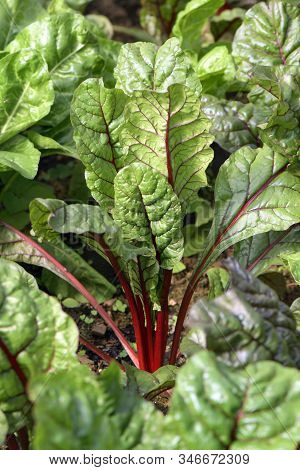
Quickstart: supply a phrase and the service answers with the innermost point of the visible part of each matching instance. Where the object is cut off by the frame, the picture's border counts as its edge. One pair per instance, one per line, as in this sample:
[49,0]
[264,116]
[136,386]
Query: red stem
[196,275]
[105,357]
[147,310]
[12,443]
[23,438]
[80,288]
[162,322]
[137,315]
[12,359]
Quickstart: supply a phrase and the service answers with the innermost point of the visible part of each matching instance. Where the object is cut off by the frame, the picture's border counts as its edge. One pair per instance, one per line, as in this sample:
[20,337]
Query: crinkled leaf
[216,407]
[258,253]
[295,309]
[190,21]
[15,15]
[150,385]
[19,154]
[144,66]
[79,412]
[170,133]
[195,239]
[71,52]
[268,36]
[234,123]
[26,92]
[35,336]
[247,324]
[157,18]
[255,192]
[149,212]
[277,94]
[218,279]
[97,114]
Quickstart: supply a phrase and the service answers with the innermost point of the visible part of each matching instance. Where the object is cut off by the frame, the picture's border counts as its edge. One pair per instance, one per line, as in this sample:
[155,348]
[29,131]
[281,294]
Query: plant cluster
[144,120]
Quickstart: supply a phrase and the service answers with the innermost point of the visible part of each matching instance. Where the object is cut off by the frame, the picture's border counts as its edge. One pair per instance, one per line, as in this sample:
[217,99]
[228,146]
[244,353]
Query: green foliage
[268,36]
[247,324]
[43,338]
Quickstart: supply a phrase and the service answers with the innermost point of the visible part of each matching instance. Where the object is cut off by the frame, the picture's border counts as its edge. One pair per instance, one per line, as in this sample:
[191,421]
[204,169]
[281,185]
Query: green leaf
[149,212]
[79,412]
[97,114]
[157,18]
[247,324]
[234,123]
[216,407]
[218,279]
[277,94]
[216,70]
[16,196]
[26,92]
[71,52]
[255,192]
[292,260]
[224,24]
[268,36]
[295,309]
[195,239]
[150,385]
[48,216]
[144,66]
[260,252]
[190,21]
[3,427]
[170,133]
[43,337]
[20,154]
[49,146]
[15,15]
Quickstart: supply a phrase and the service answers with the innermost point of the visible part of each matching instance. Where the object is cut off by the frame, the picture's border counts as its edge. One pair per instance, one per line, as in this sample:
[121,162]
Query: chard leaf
[97,114]
[79,218]
[234,123]
[190,21]
[71,52]
[277,94]
[292,260]
[19,154]
[42,213]
[48,146]
[3,427]
[216,407]
[255,192]
[218,279]
[157,18]
[170,133]
[268,36]
[150,385]
[149,212]
[24,79]
[247,324]
[258,253]
[42,338]
[223,25]
[216,70]
[15,15]
[144,66]
[80,412]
